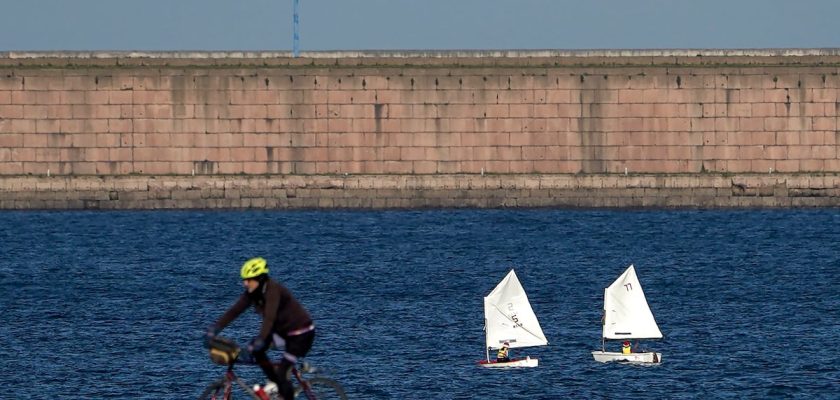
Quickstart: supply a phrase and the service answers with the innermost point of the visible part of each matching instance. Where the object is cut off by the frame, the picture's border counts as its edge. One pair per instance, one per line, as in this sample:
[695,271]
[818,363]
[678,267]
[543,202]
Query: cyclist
[284,322]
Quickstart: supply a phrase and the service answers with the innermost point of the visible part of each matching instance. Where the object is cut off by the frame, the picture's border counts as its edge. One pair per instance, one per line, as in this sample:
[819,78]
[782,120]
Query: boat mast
[604,322]
[486,348]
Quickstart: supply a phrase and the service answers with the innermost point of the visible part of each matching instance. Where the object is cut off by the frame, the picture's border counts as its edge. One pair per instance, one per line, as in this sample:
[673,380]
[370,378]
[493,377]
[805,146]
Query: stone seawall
[420,191]
[664,128]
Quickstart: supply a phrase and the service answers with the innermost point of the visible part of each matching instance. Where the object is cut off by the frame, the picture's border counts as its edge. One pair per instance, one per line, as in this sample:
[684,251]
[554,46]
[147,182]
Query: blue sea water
[113,304]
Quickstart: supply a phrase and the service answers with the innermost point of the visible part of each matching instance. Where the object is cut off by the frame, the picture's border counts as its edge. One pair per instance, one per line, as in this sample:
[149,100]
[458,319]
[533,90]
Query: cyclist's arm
[234,311]
[272,304]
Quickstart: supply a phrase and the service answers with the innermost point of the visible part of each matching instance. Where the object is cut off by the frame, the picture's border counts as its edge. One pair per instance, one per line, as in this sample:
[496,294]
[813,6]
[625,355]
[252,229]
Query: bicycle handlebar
[246,358]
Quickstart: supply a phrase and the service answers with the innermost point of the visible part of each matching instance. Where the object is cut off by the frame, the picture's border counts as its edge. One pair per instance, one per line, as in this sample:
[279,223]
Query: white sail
[509,317]
[626,311]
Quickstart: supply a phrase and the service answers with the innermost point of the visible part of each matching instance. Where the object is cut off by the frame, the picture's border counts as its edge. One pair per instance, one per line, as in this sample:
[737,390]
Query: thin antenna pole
[296,33]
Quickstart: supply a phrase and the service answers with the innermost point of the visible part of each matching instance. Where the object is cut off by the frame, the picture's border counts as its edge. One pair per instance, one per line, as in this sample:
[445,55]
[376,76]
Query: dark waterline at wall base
[420,191]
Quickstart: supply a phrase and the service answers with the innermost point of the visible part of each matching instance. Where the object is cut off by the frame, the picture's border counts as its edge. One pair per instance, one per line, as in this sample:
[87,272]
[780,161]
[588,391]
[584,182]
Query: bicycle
[226,352]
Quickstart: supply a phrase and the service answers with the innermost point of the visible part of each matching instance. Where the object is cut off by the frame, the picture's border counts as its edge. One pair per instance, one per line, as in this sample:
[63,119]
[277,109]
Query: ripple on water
[114,303]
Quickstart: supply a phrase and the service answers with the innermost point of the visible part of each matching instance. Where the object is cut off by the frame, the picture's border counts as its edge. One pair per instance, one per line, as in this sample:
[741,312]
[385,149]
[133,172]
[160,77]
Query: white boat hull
[526,362]
[633,358]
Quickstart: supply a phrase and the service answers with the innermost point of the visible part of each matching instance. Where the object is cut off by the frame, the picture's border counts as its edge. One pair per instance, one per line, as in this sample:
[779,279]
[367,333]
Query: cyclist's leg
[268,368]
[296,347]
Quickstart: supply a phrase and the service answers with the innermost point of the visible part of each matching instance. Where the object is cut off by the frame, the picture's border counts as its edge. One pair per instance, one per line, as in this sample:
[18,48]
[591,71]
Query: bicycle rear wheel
[323,389]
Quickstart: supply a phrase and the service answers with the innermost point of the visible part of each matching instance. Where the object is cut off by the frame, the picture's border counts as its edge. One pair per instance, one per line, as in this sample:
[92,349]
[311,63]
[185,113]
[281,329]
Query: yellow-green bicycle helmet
[254,268]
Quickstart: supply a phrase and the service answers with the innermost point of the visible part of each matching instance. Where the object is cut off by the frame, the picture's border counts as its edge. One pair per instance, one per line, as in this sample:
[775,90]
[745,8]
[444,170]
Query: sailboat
[627,316]
[508,317]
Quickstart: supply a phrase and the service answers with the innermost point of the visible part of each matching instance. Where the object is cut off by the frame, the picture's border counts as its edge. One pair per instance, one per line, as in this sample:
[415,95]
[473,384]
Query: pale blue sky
[154,25]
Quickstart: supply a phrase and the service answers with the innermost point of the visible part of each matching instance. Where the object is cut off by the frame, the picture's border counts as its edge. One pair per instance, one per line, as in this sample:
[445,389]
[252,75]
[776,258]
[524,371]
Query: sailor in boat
[625,347]
[503,354]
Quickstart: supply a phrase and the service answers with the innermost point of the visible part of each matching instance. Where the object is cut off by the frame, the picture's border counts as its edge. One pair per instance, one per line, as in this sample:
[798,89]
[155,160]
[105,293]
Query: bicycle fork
[304,385]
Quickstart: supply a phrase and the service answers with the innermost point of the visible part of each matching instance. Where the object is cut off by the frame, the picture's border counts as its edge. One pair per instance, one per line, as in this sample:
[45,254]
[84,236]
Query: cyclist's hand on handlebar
[209,335]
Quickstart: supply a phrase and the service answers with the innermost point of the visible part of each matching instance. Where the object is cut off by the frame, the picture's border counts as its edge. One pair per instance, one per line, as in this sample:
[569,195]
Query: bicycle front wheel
[214,391]
[223,390]
[322,389]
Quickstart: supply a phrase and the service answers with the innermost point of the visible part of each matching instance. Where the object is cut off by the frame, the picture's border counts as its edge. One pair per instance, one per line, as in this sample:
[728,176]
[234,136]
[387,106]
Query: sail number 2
[628,286]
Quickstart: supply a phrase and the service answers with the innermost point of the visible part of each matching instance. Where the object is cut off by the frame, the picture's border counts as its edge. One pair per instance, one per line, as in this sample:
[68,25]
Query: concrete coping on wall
[783,52]
[779,56]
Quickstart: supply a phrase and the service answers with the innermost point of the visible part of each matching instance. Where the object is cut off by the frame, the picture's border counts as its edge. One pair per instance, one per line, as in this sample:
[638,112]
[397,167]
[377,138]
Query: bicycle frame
[304,384]
[230,377]
[312,387]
